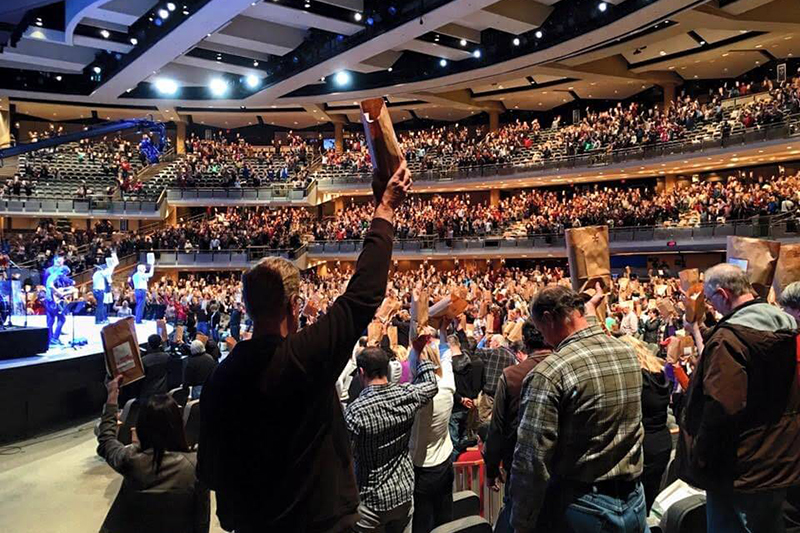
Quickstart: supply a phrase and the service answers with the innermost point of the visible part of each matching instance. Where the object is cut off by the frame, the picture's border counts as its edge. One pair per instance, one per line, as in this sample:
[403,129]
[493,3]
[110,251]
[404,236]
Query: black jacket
[470,376]
[156,365]
[198,369]
[273,443]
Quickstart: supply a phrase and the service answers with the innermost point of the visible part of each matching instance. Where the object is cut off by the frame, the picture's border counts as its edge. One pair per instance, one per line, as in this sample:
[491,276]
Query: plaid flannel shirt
[495,360]
[580,421]
[380,422]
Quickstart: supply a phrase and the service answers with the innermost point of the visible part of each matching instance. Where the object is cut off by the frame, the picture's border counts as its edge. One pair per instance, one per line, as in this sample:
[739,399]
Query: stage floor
[84,328]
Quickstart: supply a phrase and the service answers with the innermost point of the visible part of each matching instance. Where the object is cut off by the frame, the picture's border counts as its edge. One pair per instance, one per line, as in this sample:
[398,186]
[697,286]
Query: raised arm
[116,454]
[320,351]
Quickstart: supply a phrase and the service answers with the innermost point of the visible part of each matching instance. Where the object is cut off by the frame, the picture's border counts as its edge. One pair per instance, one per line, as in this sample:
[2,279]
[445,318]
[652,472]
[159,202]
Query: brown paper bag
[788,268]
[387,309]
[688,278]
[384,150]
[589,259]
[179,335]
[391,332]
[757,257]
[694,302]
[515,333]
[121,349]
[161,329]
[231,342]
[449,307]
[374,333]
[489,323]
[202,338]
[419,309]
[470,330]
[665,307]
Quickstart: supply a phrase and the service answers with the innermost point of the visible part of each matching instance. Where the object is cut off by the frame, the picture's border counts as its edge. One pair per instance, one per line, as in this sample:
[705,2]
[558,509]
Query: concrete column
[338,134]
[5,122]
[172,216]
[494,197]
[180,140]
[669,95]
[494,120]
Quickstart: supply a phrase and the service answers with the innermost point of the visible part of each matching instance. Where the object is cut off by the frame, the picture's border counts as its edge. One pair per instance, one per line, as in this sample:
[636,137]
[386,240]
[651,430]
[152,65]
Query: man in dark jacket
[505,420]
[470,377]
[199,367]
[155,363]
[740,427]
[273,442]
[651,327]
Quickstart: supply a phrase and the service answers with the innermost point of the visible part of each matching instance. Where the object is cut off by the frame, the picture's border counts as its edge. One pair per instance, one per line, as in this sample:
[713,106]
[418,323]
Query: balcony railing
[281,192]
[93,206]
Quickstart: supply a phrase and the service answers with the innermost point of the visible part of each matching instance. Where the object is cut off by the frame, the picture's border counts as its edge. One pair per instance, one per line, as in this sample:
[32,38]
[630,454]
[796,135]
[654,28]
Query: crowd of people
[571,398]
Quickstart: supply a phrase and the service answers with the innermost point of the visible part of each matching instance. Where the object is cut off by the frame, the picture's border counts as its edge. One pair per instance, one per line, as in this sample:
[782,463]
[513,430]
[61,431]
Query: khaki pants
[485,404]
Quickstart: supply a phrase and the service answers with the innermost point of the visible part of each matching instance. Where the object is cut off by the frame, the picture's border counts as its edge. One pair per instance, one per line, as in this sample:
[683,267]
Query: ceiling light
[255,63]
[702,43]
[358,16]
[97,70]
[389,69]
[476,54]
[134,41]
[105,33]
[218,87]
[171,6]
[463,42]
[516,41]
[442,62]
[342,78]
[252,81]
[602,6]
[58,78]
[39,22]
[538,34]
[166,86]
[163,13]
[662,53]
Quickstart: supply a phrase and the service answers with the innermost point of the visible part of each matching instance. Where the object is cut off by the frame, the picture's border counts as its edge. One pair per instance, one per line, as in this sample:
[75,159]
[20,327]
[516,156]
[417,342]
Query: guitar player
[57,289]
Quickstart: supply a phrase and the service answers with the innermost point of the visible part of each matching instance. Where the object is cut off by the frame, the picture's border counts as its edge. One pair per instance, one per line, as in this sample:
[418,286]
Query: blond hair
[647,360]
[269,287]
[432,355]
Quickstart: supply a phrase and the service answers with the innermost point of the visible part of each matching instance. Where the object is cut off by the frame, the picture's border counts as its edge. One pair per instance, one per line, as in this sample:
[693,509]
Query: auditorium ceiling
[300,63]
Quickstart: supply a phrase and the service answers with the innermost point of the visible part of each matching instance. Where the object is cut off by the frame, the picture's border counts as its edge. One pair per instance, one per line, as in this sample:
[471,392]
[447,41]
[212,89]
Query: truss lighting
[252,81]
[218,87]
[166,86]
[342,78]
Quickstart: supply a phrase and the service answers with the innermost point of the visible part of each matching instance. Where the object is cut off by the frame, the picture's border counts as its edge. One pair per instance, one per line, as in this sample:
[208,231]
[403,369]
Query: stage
[59,387]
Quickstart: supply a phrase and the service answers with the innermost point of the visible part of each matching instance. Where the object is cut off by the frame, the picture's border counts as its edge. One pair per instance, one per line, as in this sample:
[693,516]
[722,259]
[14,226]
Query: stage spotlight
[252,81]
[516,41]
[58,78]
[476,54]
[166,86]
[218,87]
[538,34]
[602,6]
[342,78]
[463,42]
[105,33]
[97,70]
[358,16]
[134,41]
[171,6]
[163,13]
[442,62]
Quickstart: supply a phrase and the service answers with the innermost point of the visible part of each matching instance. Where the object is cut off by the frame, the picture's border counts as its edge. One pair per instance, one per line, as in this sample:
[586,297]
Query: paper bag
[202,338]
[447,308]
[387,309]
[788,268]
[179,335]
[489,323]
[391,332]
[589,259]
[757,257]
[419,309]
[161,329]
[515,334]
[121,349]
[688,278]
[231,342]
[384,150]
[665,307]
[694,302]
[374,333]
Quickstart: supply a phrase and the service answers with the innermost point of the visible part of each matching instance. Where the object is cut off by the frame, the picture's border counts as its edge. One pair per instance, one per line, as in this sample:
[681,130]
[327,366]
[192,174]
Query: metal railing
[599,158]
[273,191]
[233,258]
[94,206]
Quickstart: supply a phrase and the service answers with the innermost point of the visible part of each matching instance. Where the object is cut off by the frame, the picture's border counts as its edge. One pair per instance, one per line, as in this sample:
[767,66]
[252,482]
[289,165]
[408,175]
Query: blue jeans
[458,427]
[141,300]
[100,313]
[503,524]
[737,512]
[570,509]
[55,320]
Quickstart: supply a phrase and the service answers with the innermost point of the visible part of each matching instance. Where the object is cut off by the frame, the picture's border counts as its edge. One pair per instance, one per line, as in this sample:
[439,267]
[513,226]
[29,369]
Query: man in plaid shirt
[579,449]
[379,422]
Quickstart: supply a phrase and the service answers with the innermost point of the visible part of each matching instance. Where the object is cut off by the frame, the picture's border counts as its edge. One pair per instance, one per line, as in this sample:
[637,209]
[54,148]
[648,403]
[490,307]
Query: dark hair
[160,428]
[557,301]
[374,362]
[154,341]
[532,338]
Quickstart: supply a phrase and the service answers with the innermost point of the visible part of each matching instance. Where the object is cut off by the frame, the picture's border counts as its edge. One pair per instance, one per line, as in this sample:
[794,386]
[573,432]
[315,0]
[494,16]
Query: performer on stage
[101,287]
[140,279]
[57,288]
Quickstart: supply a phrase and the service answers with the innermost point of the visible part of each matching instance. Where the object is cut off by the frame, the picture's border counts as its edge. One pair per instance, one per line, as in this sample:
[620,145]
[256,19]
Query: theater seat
[471,524]
[466,503]
[130,414]
[191,422]
[180,395]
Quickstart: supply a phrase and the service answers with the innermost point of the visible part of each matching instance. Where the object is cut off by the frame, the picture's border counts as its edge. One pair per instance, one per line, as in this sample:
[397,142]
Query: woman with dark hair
[160,492]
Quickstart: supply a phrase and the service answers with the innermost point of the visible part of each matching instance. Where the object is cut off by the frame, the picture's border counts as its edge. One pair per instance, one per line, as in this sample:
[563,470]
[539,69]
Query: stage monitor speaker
[22,342]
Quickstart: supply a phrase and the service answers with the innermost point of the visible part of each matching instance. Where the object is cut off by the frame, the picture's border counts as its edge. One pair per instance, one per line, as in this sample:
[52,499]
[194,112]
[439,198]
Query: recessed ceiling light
[516,41]
[602,6]
[97,70]
[105,33]
[442,62]
[538,34]
[134,41]
[358,16]
[163,13]
[463,42]
[476,54]
[58,78]
[662,53]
